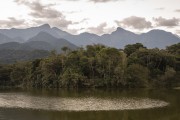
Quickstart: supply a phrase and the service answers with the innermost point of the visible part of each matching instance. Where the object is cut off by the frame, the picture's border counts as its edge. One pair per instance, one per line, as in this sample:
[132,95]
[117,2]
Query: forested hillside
[13,56]
[98,66]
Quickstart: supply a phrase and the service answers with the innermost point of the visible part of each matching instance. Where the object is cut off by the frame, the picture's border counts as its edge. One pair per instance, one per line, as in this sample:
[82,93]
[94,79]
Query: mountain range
[46,38]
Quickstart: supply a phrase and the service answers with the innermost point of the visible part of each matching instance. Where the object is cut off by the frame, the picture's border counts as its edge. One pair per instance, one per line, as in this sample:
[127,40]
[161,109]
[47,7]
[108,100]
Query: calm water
[136,104]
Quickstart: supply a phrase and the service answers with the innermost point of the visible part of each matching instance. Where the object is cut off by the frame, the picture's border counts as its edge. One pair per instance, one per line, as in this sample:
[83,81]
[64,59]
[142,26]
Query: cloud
[39,10]
[161,8]
[100,29]
[139,23]
[178,32]
[45,13]
[103,1]
[81,21]
[177,10]
[166,22]
[11,22]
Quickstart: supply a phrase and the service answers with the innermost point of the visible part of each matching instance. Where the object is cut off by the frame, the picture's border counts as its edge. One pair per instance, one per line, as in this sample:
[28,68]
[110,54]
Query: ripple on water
[77,104]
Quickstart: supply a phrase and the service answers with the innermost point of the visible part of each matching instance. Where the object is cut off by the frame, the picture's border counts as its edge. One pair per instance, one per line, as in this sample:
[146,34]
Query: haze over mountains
[46,38]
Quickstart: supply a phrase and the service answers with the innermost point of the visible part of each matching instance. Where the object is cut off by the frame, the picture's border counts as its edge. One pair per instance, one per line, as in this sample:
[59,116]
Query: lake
[90,104]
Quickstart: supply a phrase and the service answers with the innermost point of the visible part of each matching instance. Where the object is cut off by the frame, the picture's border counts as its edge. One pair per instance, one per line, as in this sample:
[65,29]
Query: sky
[94,16]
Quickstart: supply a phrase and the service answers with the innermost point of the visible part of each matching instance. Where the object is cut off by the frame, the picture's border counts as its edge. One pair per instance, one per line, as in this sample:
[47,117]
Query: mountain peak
[157,31]
[45,26]
[120,29]
[86,33]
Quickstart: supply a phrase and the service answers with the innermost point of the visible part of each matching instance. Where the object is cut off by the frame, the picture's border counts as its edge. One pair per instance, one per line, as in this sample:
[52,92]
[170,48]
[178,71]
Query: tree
[72,77]
[174,49]
[167,79]
[51,69]
[96,66]
[129,49]
[19,74]
[5,76]
[152,59]
[137,76]
[65,49]
[108,59]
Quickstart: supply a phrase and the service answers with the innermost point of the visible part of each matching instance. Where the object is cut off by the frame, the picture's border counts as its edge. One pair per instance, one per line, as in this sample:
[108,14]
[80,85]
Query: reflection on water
[110,104]
[15,100]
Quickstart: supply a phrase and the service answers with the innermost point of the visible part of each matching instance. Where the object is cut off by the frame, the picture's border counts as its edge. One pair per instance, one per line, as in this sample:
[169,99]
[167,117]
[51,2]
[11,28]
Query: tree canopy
[97,66]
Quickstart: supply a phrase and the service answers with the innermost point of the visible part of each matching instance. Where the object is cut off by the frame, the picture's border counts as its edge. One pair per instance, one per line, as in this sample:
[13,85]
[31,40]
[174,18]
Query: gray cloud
[11,22]
[100,29]
[139,23]
[39,10]
[45,13]
[166,22]
[177,10]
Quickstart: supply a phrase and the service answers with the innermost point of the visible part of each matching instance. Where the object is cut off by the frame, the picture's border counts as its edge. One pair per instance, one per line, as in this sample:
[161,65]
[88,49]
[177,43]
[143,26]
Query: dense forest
[97,66]
[8,56]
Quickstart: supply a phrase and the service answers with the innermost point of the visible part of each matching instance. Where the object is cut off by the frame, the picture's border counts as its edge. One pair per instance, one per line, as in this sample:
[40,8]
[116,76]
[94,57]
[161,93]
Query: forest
[97,66]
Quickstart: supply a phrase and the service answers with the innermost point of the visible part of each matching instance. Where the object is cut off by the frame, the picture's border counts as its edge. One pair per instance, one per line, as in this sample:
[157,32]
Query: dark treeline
[8,56]
[98,66]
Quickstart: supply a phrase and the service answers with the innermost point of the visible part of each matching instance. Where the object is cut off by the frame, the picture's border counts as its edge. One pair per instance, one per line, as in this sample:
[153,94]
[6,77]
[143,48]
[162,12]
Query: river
[90,104]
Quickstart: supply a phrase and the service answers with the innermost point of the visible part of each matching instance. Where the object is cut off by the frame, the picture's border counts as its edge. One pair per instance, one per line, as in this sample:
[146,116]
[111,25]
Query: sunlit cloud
[139,23]
[160,21]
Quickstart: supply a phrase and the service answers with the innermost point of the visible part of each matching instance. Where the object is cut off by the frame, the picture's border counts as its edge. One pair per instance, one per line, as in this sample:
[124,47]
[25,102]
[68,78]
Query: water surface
[89,104]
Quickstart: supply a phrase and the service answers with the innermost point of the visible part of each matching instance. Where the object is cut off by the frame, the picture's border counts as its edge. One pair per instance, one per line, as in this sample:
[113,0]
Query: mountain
[42,41]
[4,39]
[54,43]
[12,56]
[151,39]
[158,38]
[83,39]
[15,46]
[39,45]
[119,38]
[26,34]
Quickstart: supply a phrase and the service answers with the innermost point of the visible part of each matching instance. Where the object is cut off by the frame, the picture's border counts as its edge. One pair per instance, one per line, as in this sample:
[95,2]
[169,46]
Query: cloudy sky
[95,16]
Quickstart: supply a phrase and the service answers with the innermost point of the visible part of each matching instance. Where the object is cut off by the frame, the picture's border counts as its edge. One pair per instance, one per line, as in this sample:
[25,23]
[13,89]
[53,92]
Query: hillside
[118,39]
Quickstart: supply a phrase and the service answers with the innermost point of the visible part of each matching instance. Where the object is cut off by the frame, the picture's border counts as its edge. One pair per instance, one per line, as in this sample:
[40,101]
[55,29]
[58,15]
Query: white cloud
[11,22]
[45,13]
[103,1]
[139,23]
[59,13]
[160,21]
[101,29]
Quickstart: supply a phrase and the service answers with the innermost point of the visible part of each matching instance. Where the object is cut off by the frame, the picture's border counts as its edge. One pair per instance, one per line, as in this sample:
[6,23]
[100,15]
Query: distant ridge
[42,41]
[119,38]
[54,43]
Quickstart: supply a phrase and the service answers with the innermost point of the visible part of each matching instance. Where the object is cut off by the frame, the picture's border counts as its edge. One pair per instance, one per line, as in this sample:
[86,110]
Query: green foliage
[129,49]
[167,79]
[5,72]
[174,49]
[137,76]
[72,77]
[19,74]
[96,66]
[13,56]
[154,59]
